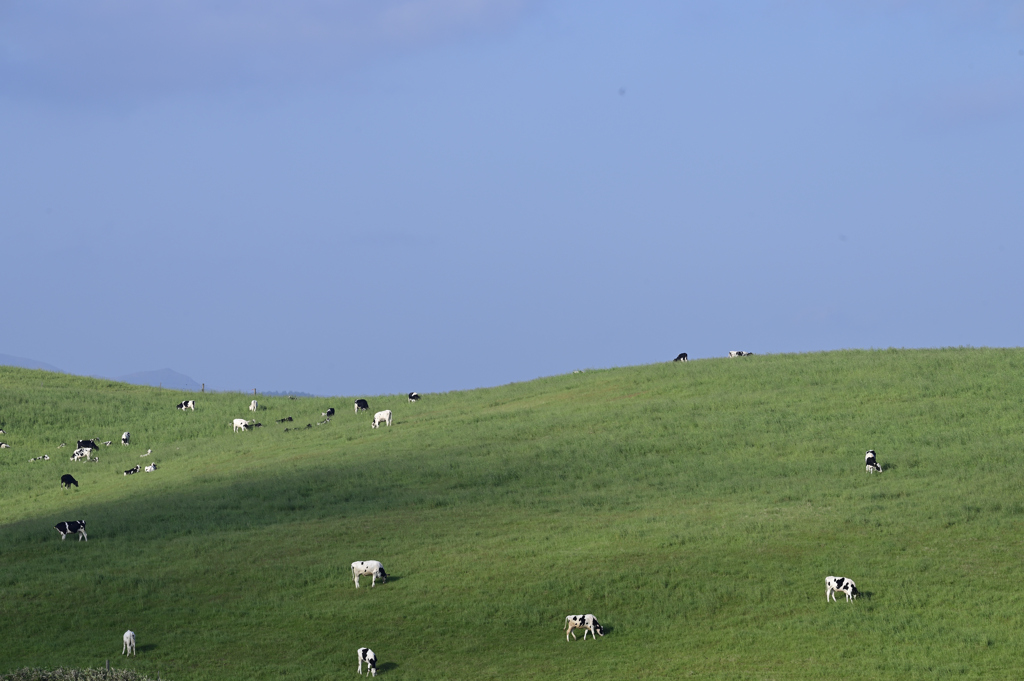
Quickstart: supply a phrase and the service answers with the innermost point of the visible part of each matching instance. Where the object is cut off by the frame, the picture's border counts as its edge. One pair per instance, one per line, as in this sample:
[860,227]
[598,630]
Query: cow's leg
[373,580]
[62,536]
[357,581]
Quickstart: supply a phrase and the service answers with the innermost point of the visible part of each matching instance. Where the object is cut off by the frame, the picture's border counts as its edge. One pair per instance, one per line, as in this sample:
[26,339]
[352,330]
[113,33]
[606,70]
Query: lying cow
[871,465]
[129,643]
[132,471]
[329,412]
[588,623]
[362,405]
[413,397]
[151,467]
[71,527]
[67,480]
[187,404]
[44,457]
[834,585]
[254,405]
[381,417]
[369,567]
[739,353]
[681,358]
[366,655]
[285,419]
[126,438]
[239,424]
[4,445]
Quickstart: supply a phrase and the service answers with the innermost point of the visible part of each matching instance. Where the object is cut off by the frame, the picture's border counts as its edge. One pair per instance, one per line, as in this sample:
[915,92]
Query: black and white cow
[151,467]
[369,567]
[126,438]
[833,585]
[132,471]
[129,643]
[366,655]
[71,527]
[239,424]
[87,444]
[739,353]
[871,464]
[79,454]
[187,404]
[681,358]
[587,622]
[67,480]
[4,445]
[362,405]
[285,419]
[329,412]
[413,397]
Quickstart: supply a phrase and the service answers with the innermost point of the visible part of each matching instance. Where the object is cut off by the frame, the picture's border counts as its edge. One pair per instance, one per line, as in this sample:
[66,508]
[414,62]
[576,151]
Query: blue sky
[366,197]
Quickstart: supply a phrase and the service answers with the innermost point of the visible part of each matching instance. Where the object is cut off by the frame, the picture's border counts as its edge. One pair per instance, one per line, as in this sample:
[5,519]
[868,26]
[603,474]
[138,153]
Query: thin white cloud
[116,47]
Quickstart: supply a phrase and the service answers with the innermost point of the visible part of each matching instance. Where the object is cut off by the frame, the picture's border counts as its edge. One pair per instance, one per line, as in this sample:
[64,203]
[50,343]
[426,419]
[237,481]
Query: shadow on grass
[145,648]
[387,667]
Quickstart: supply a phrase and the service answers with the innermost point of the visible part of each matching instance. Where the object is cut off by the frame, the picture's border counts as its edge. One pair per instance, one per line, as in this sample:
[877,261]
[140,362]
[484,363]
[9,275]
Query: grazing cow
[286,418]
[381,417]
[151,467]
[67,480]
[329,412]
[834,585]
[72,527]
[369,567]
[739,353]
[129,643]
[126,438]
[413,397]
[681,358]
[254,405]
[871,465]
[187,404]
[366,655]
[87,444]
[132,471]
[4,445]
[362,405]
[81,453]
[238,424]
[108,443]
[588,623]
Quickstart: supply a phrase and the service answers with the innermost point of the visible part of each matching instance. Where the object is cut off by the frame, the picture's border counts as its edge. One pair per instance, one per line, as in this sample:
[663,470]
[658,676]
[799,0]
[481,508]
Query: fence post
[204,387]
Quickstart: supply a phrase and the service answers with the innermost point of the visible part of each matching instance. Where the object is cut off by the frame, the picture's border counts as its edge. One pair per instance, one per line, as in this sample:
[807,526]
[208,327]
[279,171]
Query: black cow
[187,404]
[413,397]
[132,471]
[681,358]
[87,444]
[67,480]
[362,405]
[286,418]
[71,527]
[329,412]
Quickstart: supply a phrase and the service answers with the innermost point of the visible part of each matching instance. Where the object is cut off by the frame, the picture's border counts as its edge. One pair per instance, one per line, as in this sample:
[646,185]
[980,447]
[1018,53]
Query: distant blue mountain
[163,378]
[285,393]
[26,363]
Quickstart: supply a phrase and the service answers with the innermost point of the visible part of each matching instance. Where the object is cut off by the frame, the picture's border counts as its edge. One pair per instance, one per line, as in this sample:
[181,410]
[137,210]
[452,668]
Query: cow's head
[381,575]
[598,629]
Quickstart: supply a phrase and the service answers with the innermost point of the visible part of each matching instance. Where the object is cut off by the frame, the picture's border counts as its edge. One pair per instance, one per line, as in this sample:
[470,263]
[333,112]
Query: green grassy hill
[695,509]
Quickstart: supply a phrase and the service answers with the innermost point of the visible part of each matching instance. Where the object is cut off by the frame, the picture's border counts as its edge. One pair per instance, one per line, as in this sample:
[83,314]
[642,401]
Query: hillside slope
[694,508]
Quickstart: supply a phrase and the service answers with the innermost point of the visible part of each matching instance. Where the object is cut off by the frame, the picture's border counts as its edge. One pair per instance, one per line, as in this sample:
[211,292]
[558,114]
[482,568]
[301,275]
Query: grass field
[695,509]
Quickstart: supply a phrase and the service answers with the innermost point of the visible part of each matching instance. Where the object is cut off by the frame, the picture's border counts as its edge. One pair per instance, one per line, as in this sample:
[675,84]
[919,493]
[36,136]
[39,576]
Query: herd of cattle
[373,568]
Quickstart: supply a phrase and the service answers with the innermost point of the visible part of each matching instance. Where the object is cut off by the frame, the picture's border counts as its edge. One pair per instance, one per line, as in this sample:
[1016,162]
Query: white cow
[588,623]
[366,655]
[369,567]
[151,467]
[254,405]
[239,424]
[871,464]
[739,353]
[126,437]
[129,643]
[834,585]
[381,416]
